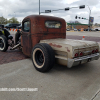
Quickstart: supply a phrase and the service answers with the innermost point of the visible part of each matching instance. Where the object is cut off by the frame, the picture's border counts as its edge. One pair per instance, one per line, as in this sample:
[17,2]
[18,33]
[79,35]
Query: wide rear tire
[43,57]
[3,43]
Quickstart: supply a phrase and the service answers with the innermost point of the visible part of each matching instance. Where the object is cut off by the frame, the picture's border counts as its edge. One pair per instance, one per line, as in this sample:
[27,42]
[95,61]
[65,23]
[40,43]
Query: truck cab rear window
[53,24]
[26,27]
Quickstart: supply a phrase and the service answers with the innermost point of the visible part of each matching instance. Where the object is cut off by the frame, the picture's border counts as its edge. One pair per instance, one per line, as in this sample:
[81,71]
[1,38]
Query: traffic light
[67,8]
[83,18]
[82,6]
[80,17]
[75,17]
[47,11]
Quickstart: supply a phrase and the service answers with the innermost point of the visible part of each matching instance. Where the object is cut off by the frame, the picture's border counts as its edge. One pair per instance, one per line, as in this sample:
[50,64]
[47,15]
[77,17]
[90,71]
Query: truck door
[26,37]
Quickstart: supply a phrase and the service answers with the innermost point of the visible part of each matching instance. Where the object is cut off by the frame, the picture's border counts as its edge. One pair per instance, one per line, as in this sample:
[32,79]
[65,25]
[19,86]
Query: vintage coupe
[43,38]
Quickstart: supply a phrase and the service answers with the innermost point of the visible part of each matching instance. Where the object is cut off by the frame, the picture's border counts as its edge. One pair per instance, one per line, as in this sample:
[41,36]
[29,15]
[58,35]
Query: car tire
[17,36]
[43,57]
[3,43]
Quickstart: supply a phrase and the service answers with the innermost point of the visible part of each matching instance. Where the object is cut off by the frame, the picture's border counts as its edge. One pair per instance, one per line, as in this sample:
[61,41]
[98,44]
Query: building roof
[76,24]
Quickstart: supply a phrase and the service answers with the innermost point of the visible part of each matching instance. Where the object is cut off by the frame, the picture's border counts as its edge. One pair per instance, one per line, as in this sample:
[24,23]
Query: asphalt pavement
[84,33]
[78,83]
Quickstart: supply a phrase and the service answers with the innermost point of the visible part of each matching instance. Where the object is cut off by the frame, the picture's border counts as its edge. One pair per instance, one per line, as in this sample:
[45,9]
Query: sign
[91,20]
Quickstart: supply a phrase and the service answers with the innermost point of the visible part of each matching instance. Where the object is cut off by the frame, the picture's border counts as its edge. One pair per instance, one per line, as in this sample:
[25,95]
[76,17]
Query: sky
[23,8]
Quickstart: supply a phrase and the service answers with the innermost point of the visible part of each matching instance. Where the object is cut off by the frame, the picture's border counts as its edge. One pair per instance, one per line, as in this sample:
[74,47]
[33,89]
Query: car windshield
[20,25]
[7,24]
[53,24]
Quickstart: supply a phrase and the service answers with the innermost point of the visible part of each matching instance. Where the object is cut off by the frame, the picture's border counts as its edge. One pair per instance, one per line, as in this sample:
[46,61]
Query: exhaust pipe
[15,46]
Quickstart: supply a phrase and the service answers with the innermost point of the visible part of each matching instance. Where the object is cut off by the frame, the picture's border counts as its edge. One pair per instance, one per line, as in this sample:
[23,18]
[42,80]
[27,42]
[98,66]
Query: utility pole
[89,17]
[39,7]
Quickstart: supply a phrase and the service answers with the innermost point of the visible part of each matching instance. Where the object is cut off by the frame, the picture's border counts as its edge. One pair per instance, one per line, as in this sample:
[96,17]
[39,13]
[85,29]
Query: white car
[75,29]
[68,29]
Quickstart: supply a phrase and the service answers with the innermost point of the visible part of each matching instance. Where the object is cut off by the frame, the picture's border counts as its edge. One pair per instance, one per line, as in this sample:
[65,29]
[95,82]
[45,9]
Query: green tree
[3,20]
[13,20]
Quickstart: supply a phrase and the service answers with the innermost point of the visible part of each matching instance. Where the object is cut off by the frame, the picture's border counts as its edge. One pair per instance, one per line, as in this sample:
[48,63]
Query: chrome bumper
[81,60]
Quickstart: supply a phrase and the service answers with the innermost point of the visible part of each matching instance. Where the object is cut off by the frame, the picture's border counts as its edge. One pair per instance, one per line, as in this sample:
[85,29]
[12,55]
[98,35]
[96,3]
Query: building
[76,26]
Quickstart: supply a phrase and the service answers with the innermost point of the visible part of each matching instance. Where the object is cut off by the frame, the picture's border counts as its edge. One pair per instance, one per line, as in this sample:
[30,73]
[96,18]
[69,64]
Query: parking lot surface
[78,83]
[84,33]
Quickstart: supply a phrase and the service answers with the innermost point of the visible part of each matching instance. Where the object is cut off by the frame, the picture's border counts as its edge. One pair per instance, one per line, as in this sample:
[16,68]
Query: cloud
[69,1]
[86,2]
[23,8]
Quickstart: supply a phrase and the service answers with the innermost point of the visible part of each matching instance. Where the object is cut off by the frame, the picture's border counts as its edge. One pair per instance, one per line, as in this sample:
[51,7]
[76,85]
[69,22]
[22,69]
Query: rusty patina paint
[39,31]
[67,49]
[55,45]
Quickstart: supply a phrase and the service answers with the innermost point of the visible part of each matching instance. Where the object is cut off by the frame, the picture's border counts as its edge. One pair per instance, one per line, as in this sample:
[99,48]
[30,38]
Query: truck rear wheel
[3,43]
[43,57]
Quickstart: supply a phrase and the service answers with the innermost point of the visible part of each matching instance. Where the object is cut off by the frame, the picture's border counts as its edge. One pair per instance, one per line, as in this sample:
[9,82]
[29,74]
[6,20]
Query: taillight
[81,54]
[93,51]
[76,54]
[96,50]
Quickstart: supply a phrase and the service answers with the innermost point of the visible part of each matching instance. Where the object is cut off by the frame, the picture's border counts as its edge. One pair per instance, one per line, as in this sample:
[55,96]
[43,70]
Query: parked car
[11,25]
[79,30]
[96,29]
[1,26]
[93,30]
[68,29]
[19,27]
[75,29]
[89,29]
[86,29]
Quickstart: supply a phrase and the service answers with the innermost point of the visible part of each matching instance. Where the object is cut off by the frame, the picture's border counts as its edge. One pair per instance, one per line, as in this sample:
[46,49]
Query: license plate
[84,61]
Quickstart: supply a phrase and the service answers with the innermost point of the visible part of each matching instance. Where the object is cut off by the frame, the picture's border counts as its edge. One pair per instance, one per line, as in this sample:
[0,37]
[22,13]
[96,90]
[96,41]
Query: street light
[49,11]
[83,6]
[68,8]
[39,7]
[89,18]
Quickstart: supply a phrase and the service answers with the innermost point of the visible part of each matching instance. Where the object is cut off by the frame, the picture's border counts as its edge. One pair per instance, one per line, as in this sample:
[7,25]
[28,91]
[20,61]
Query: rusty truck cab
[39,27]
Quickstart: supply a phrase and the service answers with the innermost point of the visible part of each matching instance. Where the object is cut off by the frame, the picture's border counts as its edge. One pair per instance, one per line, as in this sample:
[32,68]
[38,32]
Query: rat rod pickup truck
[43,38]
